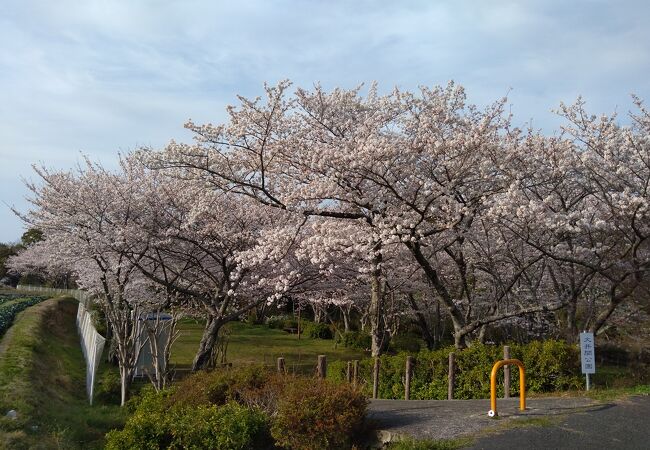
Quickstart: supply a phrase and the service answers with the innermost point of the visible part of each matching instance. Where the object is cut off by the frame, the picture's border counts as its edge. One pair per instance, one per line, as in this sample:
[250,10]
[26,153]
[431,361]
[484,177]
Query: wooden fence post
[281,366]
[407,381]
[375,379]
[506,372]
[322,366]
[451,376]
[348,372]
[355,372]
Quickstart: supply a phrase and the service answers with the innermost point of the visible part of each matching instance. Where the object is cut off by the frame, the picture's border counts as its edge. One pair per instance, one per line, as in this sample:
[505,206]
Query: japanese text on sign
[587,353]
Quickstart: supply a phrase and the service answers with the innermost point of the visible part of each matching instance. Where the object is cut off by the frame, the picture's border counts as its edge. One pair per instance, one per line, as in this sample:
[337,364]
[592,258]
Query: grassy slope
[262,345]
[42,376]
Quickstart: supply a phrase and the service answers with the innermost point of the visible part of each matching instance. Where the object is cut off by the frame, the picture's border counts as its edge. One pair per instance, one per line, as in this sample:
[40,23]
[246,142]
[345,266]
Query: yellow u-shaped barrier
[493,384]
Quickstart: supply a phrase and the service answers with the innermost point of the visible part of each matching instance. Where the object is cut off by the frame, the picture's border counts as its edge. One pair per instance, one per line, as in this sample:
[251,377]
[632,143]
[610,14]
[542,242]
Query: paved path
[624,424]
[435,419]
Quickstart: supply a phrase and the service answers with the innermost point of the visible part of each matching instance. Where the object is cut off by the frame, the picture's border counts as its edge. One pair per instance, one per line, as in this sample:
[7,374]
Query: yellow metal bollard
[493,385]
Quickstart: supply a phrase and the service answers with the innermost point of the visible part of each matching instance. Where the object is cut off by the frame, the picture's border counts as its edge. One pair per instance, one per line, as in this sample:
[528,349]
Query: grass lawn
[258,344]
[42,377]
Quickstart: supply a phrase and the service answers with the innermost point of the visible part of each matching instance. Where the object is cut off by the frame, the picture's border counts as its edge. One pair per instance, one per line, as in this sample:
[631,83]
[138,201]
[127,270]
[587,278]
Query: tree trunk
[363,321]
[571,329]
[126,376]
[457,318]
[346,319]
[460,340]
[422,323]
[604,315]
[318,312]
[203,357]
[481,334]
[377,332]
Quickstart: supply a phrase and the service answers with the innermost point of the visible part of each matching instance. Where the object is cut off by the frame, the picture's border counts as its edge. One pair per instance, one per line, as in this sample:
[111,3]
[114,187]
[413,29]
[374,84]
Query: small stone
[12,414]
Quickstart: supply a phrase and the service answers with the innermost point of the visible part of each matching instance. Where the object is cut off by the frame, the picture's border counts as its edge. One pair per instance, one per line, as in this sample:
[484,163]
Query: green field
[42,377]
[258,344]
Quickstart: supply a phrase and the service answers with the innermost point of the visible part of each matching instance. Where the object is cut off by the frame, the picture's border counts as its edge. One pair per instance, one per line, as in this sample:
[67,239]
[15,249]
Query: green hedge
[245,408]
[155,424]
[355,339]
[550,366]
[10,306]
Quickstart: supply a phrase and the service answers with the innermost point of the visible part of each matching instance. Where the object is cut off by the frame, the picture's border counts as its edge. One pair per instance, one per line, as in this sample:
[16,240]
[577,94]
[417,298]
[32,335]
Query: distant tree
[31,236]
[6,251]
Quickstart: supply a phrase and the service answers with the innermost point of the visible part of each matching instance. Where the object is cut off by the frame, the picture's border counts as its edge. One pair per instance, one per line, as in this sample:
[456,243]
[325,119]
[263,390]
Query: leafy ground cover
[11,304]
[42,377]
[259,344]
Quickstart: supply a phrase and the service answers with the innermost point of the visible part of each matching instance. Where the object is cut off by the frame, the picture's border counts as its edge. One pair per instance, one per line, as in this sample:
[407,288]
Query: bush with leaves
[406,343]
[234,409]
[318,330]
[220,386]
[550,366]
[318,415]
[11,306]
[278,322]
[157,424]
[357,340]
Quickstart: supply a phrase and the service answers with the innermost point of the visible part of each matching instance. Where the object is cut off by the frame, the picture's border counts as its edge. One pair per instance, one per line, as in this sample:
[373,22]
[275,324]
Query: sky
[100,77]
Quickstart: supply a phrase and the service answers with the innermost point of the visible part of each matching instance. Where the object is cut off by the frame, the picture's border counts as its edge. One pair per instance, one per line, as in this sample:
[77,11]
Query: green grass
[258,344]
[42,376]
[617,393]
[428,444]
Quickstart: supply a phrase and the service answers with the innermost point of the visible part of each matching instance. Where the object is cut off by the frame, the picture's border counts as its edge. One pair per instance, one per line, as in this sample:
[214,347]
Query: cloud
[99,77]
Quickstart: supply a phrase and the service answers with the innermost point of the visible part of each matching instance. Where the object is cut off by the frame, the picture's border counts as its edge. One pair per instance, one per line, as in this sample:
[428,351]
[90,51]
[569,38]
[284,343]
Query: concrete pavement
[624,424]
[436,419]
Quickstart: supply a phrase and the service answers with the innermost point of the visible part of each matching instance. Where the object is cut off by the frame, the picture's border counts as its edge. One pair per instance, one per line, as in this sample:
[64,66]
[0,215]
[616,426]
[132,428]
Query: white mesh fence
[92,343]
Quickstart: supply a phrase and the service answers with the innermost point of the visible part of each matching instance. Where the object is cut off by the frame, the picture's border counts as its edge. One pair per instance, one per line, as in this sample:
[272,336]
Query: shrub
[318,330]
[154,425]
[10,307]
[146,427]
[406,343]
[228,427]
[109,386]
[220,386]
[277,322]
[318,415]
[251,318]
[233,409]
[550,366]
[356,339]
[290,323]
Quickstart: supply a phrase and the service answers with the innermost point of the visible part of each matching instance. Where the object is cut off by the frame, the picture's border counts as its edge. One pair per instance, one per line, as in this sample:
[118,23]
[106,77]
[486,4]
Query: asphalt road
[442,419]
[624,424]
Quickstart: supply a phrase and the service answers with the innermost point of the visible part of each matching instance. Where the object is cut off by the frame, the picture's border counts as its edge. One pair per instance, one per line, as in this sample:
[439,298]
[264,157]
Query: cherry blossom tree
[81,215]
[209,247]
[267,154]
[410,170]
[411,201]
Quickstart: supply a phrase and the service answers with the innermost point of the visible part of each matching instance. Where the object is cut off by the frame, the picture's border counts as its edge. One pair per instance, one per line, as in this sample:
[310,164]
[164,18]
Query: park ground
[42,375]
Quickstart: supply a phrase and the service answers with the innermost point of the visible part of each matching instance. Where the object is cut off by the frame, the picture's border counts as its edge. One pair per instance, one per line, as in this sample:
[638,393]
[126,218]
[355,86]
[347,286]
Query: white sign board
[587,354]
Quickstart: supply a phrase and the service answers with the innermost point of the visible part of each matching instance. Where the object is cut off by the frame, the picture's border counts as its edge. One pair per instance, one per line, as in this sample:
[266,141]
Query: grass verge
[617,393]
[428,444]
[42,377]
